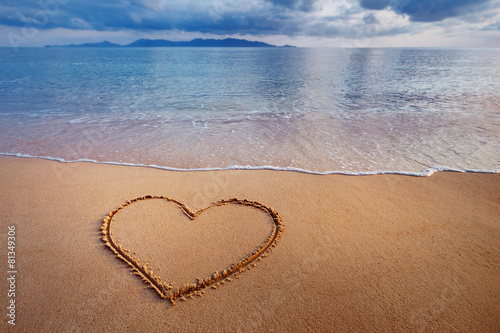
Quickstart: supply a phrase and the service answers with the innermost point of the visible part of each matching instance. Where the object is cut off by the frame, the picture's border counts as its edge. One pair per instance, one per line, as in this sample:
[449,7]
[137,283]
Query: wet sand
[358,253]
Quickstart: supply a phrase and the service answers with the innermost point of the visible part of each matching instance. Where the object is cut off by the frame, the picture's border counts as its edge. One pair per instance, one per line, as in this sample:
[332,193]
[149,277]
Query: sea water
[360,111]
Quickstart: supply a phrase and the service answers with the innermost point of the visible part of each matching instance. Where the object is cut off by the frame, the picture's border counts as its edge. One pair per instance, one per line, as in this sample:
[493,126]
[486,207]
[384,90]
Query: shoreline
[381,252]
[423,173]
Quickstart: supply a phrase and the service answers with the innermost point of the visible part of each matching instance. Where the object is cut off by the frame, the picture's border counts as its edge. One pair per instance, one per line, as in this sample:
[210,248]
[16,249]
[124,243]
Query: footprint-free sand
[358,253]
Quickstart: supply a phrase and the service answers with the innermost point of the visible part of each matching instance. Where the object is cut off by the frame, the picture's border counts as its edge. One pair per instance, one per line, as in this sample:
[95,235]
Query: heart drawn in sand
[165,289]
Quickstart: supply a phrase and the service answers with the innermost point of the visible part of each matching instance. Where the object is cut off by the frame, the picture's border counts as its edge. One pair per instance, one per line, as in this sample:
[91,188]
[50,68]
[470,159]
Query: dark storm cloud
[374,4]
[276,16]
[303,5]
[256,17]
[425,10]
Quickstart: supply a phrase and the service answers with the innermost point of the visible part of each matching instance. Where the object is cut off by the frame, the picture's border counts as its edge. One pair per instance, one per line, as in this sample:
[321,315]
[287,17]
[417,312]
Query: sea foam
[422,173]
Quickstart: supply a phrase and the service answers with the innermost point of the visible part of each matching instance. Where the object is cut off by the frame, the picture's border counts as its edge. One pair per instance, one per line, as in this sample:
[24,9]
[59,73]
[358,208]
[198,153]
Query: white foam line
[423,173]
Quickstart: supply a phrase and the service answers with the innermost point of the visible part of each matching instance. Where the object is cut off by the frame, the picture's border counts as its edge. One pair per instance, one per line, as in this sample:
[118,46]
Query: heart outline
[215,279]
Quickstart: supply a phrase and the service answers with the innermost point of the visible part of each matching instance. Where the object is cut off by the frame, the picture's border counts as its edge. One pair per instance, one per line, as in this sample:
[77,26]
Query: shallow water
[318,110]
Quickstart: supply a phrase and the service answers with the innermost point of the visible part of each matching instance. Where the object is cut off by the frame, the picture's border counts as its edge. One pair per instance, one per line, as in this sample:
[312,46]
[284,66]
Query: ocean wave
[422,173]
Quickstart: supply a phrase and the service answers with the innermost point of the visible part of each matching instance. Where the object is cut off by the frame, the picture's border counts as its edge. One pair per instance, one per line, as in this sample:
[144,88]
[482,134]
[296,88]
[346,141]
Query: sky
[304,23]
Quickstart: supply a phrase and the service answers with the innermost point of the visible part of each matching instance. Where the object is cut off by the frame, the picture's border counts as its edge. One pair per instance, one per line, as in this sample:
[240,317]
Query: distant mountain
[153,43]
[101,44]
[228,42]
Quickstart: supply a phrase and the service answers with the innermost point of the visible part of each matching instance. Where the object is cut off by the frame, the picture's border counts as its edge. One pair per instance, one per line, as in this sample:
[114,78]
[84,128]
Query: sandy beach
[381,253]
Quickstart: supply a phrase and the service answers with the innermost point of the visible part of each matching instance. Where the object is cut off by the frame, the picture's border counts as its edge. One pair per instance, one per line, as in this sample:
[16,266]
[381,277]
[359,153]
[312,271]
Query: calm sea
[320,110]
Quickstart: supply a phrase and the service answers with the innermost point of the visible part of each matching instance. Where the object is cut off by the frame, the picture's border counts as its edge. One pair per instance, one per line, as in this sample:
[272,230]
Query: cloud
[263,18]
[492,27]
[375,4]
[202,16]
[425,10]
[303,5]
[370,18]
[256,17]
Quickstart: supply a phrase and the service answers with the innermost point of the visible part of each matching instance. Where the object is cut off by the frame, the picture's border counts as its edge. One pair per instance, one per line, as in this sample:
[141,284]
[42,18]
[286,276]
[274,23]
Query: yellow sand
[358,253]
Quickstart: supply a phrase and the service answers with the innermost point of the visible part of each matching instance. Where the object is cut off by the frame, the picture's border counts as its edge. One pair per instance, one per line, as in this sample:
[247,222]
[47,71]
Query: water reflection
[316,109]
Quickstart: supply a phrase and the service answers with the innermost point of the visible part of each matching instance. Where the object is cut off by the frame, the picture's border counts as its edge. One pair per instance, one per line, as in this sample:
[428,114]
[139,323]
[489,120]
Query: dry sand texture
[359,253]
